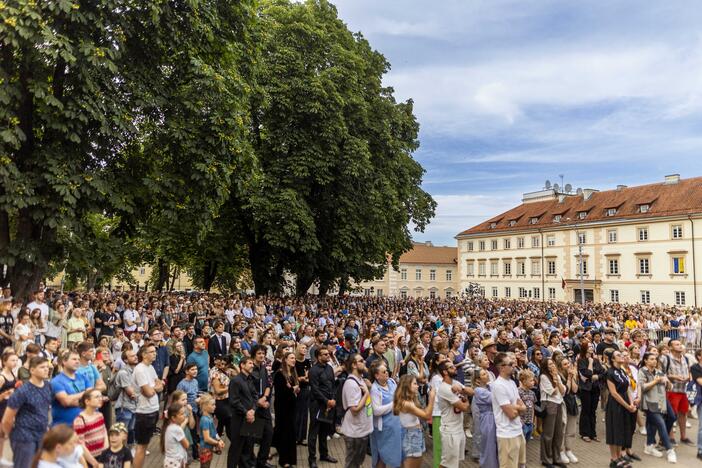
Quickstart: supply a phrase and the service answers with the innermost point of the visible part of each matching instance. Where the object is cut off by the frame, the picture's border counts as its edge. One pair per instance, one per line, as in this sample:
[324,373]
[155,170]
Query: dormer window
[534,220]
[512,222]
[611,211]
[557,219]
[645,208]
[582,214]
[493,225]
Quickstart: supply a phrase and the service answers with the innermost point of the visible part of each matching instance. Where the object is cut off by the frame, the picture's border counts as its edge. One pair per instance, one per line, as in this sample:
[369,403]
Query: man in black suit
[219,342]
[259,375]
[242,399]
[322,388]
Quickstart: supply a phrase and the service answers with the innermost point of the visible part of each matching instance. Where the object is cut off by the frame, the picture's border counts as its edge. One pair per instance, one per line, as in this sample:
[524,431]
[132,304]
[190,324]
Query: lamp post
[580,260]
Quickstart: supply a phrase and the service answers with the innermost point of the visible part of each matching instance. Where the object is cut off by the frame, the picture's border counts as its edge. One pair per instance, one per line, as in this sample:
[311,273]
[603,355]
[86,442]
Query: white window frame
[494,291]
[537,293]
[494,268]
[612,236]
[520,242]
[418,274]
[611,211]
[493,244]
[403,294]
[535,242]
[645,297]
[470,268]
[644,266]
[679,298]
[481,245]
[507,268]
[551,241]
[613,266]
[432,275]
[449,275]
[481,269]
[614,295]
[507,244]
[551,267]
[584,272]
[535,267]
[508,291]
[521,268]
[677,231]
[551,293]
[557,218]
[582,238]
[644,208]
[470,246]
[403,274]
[642,234]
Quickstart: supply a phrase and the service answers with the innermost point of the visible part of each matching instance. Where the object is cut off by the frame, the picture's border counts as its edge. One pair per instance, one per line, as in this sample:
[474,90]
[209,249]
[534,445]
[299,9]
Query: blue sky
[511,93]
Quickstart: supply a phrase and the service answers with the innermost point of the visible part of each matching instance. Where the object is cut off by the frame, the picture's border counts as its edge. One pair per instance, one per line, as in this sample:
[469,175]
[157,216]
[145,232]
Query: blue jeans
[527,429]
[127,417]
[23,452]
[657,422]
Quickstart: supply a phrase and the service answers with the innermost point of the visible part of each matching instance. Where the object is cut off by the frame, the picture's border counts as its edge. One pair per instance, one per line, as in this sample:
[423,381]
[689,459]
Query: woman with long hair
[434,382]
[39,326]
[58,442]
[387,434]
[486,428]
[23,333]
[590,379]
[174,444]
[90,425]
[620,411]
[569,376]
[552,391]
[176,369]
[219,383]
[8,380]
[286,387]
[302,366]
[75,327]
[406,405]
[653,384]
[417,367]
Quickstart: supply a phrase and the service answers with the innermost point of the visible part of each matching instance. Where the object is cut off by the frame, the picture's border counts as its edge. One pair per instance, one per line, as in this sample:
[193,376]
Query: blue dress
[488,432]
[386,438]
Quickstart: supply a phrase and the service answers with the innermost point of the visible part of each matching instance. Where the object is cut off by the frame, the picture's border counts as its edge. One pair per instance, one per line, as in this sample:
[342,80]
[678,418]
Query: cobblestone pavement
[594,454]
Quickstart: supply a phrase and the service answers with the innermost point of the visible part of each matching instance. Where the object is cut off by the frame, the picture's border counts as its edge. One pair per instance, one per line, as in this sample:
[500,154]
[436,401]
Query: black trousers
[302,414]
[224,416]
[318,430]
[265,444]
[588,412]
[240,454]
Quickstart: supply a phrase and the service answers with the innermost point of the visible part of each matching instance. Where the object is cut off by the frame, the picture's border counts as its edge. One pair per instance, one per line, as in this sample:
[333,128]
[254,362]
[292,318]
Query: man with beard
[452,406]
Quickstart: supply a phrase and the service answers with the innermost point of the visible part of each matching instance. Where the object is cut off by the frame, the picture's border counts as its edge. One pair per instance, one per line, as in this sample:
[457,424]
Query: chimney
[672,179]
[620,188]
[587,193]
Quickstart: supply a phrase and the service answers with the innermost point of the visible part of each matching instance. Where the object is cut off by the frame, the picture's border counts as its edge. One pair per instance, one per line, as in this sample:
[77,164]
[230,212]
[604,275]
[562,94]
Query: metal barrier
[690,337]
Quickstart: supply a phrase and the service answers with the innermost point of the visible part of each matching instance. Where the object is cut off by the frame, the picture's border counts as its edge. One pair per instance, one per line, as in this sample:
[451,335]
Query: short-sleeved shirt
[359,424]
[89,373]
[207,423]
[202,361]
[112,459]
[174,449]
[63,383]
[529,398]
[145,375]
[451,419]
[130,315]
[32,405]
[123,379]
[672,366]
[504,392]
[190,387]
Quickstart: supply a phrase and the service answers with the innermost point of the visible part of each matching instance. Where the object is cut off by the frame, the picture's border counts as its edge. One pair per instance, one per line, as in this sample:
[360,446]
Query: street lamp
[580,260]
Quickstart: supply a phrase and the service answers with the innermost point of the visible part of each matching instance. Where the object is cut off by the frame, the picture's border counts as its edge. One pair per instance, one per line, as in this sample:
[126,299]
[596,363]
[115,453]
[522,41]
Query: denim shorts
[412,442]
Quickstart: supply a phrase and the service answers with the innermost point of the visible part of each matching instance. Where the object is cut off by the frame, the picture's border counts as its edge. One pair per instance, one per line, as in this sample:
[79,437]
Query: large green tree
[131,110]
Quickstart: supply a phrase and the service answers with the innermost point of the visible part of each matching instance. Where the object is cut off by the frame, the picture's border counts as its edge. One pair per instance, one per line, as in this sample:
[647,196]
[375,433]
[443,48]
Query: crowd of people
[89,379]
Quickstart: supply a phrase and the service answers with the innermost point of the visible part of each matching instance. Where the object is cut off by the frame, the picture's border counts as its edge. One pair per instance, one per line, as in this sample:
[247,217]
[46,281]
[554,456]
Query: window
[522,292]
[493,245]
[448,294]
[582,238]
[508,269]
[551,293]
[481,269]
[449,275]
[644,209]
[614,295]
[512,222]
[614,267]
[584,267]
[508,292]
[520,242]
[403,294]
[507,244]
[537,293]
[612,236]
[470,268]
[680,298]
[380,292]
[481,245]
[582,214]
[494,291]
[521,268]
[677,231]
[535,241]
[418,274]
[534,220]
[494,269]
[535,267]
[142,271]
[470,246]
[550,241]
[403,274]
[611,211]
[432,275]
[366,292]
[432,294]
[644,266]
[645,297]
[557,219]
[551,267]
[493,225]
[643,234]
[678,265]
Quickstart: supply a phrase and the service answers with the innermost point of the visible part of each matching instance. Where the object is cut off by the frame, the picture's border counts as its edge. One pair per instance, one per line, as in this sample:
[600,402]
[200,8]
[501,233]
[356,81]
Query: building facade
[630,245]
[425,271]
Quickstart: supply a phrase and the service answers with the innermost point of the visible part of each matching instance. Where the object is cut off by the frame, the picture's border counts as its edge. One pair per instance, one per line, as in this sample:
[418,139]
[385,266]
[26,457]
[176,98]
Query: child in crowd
[117,455]
[526,393]
[173,442]
[59,441]
[181,398]
[209,439]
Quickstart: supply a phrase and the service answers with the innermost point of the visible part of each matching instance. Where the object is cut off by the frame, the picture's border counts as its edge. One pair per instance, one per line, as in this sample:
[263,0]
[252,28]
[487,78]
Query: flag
[563,283]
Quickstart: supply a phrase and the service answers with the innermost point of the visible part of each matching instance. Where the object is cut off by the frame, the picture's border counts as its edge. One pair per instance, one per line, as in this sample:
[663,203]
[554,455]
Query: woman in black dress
[286,388]
[620,413]
[591,376]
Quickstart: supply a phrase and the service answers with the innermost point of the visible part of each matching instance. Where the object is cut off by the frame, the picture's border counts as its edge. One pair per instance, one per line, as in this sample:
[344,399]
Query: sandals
[586,439]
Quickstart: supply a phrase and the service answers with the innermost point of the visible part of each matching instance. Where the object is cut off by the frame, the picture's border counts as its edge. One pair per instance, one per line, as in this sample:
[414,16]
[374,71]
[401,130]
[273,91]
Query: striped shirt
[91,432]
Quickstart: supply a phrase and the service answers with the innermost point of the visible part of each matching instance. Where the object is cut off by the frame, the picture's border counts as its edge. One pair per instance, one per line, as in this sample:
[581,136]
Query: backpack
[114,390]
[338,395]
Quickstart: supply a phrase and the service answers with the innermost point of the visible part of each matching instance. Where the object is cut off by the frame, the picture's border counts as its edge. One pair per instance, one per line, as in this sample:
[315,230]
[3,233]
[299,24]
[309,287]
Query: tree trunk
[343,285]
[265,271]
[90,283]
[176,274]
[209,274]
[162,279]
[303,282]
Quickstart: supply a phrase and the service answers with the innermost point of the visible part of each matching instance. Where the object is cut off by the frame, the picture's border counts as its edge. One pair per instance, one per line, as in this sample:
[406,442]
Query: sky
[510,94]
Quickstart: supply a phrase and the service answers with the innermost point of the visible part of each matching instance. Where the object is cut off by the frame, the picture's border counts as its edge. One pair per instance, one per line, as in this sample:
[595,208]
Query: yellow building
[637,245]
[424,271]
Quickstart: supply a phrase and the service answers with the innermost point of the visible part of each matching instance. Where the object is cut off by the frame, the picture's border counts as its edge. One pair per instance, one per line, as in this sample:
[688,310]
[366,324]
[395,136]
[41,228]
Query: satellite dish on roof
[579,191]
[548,185]
[568,188]
[556,187]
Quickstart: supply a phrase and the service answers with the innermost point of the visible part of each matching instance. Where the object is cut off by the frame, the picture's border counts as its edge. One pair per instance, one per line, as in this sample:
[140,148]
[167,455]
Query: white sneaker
[469,435]
[564,458]
[688,424]
[672,458]
[642,431]
[336,435]
[653,451]
[571,456]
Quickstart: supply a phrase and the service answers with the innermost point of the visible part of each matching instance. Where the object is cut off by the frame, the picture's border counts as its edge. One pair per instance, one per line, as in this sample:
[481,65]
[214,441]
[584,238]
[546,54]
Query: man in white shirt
[38,303]
[148,386]
[131,319]
[506,407]
[358,420]
[452,406]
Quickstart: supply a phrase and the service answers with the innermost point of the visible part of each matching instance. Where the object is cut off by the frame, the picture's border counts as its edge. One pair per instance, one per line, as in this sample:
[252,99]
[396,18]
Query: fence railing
[690,337]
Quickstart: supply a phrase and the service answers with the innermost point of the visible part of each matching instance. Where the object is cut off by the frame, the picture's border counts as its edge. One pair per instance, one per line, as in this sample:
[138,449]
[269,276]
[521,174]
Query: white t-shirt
[130,315]
[435,382]
[174,449]
[44,309]
[505,392]
[145,375]
[451,421]
[360,424]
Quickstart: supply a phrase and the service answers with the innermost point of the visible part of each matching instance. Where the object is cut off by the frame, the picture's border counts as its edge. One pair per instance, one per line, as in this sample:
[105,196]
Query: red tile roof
[681,198]
[430,255]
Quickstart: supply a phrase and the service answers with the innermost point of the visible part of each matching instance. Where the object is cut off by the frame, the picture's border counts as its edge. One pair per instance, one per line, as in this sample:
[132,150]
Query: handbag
[571,404]
[325,416]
